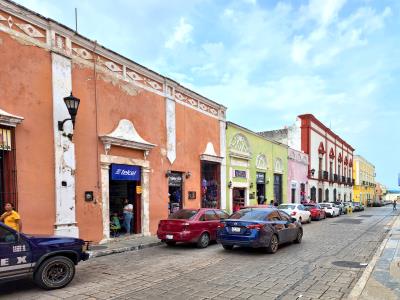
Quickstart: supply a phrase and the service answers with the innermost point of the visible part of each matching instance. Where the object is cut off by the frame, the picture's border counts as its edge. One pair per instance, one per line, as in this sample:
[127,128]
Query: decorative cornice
[125,135]
[8,119]
[51,35]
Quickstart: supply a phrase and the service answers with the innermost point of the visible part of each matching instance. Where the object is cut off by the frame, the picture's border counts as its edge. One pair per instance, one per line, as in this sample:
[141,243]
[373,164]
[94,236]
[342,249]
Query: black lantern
[72,104]
[312,171]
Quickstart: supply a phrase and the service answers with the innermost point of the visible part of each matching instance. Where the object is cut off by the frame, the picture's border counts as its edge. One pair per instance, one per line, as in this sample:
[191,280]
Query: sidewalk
[382,281]
[124,244]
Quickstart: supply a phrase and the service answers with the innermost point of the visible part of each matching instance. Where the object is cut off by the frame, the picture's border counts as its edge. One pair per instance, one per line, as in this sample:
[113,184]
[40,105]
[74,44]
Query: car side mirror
[294,220]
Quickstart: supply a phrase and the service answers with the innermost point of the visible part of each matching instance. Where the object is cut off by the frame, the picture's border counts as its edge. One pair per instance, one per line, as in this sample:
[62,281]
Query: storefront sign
[125,172]
[260,177]
[240,174]
[5,139]
[138,189]
[175,179]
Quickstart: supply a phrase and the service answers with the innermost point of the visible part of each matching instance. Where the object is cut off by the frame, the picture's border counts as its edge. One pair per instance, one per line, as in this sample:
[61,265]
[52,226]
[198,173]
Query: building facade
[138,135]
[297,176]
[364,176]
[330,169]
[256,168]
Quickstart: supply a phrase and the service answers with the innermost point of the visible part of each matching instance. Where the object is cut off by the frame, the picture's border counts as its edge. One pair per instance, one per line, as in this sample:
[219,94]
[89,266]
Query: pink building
[297,176]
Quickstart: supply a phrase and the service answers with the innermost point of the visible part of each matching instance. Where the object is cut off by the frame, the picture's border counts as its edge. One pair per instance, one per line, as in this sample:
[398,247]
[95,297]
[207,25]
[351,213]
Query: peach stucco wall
[26,90]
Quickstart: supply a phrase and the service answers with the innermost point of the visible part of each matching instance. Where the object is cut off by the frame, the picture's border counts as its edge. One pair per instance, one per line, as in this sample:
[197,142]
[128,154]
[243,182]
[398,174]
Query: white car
[330,210]
[297,211]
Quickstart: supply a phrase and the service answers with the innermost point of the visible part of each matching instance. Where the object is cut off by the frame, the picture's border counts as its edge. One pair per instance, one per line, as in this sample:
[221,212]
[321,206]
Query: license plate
[235,229]
[169,237]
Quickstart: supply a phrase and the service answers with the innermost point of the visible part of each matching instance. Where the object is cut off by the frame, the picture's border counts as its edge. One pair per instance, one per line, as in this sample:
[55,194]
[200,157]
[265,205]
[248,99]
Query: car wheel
[55,273]
[203,241]
[170,243]
[299,236]
[273,244]
[227,247]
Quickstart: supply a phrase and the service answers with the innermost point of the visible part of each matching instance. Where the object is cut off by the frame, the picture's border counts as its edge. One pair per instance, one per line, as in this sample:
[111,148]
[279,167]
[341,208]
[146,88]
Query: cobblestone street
[309,270]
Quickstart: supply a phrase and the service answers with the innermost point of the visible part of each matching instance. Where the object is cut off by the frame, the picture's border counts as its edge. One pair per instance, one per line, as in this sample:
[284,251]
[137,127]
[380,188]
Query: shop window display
[210,185]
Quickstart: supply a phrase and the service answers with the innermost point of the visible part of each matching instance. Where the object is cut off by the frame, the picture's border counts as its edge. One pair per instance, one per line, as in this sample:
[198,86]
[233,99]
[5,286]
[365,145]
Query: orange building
[138,135]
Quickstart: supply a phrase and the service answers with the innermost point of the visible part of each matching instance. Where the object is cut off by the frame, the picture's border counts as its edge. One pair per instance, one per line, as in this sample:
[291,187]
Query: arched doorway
[326,195]
[313,194]
[319,195]
[334,195]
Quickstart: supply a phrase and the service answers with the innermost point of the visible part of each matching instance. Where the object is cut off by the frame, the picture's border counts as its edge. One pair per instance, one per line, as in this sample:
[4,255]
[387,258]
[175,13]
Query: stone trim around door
[106,161]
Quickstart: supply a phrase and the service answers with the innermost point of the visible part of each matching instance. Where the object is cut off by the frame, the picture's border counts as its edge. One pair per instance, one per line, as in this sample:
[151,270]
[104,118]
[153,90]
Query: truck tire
[55,273]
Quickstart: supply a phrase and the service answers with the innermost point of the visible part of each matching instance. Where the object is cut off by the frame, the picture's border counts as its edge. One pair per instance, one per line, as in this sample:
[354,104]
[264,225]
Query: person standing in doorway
[128,216]
[394,204]
[11,218]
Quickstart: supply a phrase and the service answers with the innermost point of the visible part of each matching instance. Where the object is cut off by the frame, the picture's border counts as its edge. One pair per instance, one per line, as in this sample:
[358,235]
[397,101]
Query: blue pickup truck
[49,260]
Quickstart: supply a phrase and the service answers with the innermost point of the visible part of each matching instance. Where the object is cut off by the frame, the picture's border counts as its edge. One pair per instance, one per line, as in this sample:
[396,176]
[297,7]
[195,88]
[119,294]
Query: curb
[361,283]
[100,253]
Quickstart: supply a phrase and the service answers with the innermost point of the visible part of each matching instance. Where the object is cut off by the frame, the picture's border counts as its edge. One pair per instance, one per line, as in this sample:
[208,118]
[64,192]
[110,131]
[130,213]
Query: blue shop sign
[125,172]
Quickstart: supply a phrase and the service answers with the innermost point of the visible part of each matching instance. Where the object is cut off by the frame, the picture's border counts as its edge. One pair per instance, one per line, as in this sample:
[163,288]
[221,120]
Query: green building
[256,168]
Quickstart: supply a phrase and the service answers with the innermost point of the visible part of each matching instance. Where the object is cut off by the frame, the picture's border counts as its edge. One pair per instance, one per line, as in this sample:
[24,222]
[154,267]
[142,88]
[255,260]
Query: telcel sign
[125,172]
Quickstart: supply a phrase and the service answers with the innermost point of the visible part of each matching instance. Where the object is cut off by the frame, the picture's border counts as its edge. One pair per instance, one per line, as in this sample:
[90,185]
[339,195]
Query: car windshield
[326,205]
[250,214]
[184,214]
[286,206]
[308,207]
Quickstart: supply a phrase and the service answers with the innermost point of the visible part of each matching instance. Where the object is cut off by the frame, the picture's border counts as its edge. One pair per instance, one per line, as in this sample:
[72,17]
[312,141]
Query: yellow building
[364,176]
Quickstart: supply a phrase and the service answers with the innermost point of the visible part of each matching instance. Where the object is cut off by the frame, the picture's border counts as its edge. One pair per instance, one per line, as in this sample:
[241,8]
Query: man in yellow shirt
[11,218]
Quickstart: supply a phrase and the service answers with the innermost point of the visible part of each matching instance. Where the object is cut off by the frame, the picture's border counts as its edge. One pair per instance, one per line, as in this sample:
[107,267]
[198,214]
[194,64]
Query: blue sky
[267,61]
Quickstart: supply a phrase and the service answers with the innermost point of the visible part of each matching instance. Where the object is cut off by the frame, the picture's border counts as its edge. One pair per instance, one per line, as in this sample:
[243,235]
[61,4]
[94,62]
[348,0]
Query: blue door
[15,256]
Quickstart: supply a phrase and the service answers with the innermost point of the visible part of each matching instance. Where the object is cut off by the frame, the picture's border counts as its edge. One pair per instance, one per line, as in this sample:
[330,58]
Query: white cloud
[181,35]
[324,12]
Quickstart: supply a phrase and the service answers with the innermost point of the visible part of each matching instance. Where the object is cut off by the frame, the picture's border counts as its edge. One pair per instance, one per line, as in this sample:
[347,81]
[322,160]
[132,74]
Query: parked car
[330,209]
[49,260]
[191,226]
[340,206]
[259,228]
[349,206]
[317,213]
[297,211]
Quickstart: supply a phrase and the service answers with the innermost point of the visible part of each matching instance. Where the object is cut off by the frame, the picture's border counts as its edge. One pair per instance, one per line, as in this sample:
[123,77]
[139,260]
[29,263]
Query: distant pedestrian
[271,203]
[394,204]
[11,218]
[128,216]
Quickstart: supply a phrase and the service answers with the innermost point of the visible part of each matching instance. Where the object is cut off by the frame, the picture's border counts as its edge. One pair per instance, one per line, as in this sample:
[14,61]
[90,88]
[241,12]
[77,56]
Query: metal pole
[76,19]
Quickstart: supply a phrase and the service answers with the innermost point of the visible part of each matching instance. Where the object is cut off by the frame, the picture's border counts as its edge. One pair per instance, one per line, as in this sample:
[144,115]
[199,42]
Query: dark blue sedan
[259,228]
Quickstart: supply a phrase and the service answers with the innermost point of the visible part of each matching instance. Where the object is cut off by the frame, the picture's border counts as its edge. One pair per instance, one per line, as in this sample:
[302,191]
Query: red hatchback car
[317,213]
[191,226]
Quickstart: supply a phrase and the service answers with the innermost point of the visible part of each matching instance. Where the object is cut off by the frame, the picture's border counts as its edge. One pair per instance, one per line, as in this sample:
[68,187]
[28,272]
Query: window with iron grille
[8,170]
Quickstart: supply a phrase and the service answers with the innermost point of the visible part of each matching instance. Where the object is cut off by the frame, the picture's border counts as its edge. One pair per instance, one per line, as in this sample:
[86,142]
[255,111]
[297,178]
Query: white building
[330,170]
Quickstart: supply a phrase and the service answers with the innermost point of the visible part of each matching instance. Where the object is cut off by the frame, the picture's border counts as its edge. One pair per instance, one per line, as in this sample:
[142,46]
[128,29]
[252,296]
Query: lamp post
[72,104]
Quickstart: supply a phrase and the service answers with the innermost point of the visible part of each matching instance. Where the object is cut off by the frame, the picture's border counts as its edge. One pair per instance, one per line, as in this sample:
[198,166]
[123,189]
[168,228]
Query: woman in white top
[128,216]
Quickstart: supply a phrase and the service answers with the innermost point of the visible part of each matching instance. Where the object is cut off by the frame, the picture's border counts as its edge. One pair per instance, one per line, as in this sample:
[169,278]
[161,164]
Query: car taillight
[293,213]
[221,225]
[185,226]
[254,226]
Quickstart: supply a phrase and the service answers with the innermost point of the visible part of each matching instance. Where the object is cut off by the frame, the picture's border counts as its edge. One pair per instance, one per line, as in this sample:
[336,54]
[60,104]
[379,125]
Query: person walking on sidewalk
[11,218]
[394,204]
[128,216]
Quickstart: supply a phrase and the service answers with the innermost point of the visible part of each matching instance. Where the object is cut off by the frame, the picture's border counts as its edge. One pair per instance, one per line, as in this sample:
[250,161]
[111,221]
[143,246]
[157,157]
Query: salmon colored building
[138,135]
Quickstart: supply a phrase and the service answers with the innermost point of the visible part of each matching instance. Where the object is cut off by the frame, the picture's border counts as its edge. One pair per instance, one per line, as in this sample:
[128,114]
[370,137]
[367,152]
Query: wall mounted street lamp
[72,104]
[188,174]
[312,171]
[230,184]
[168,173]
[251,185]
